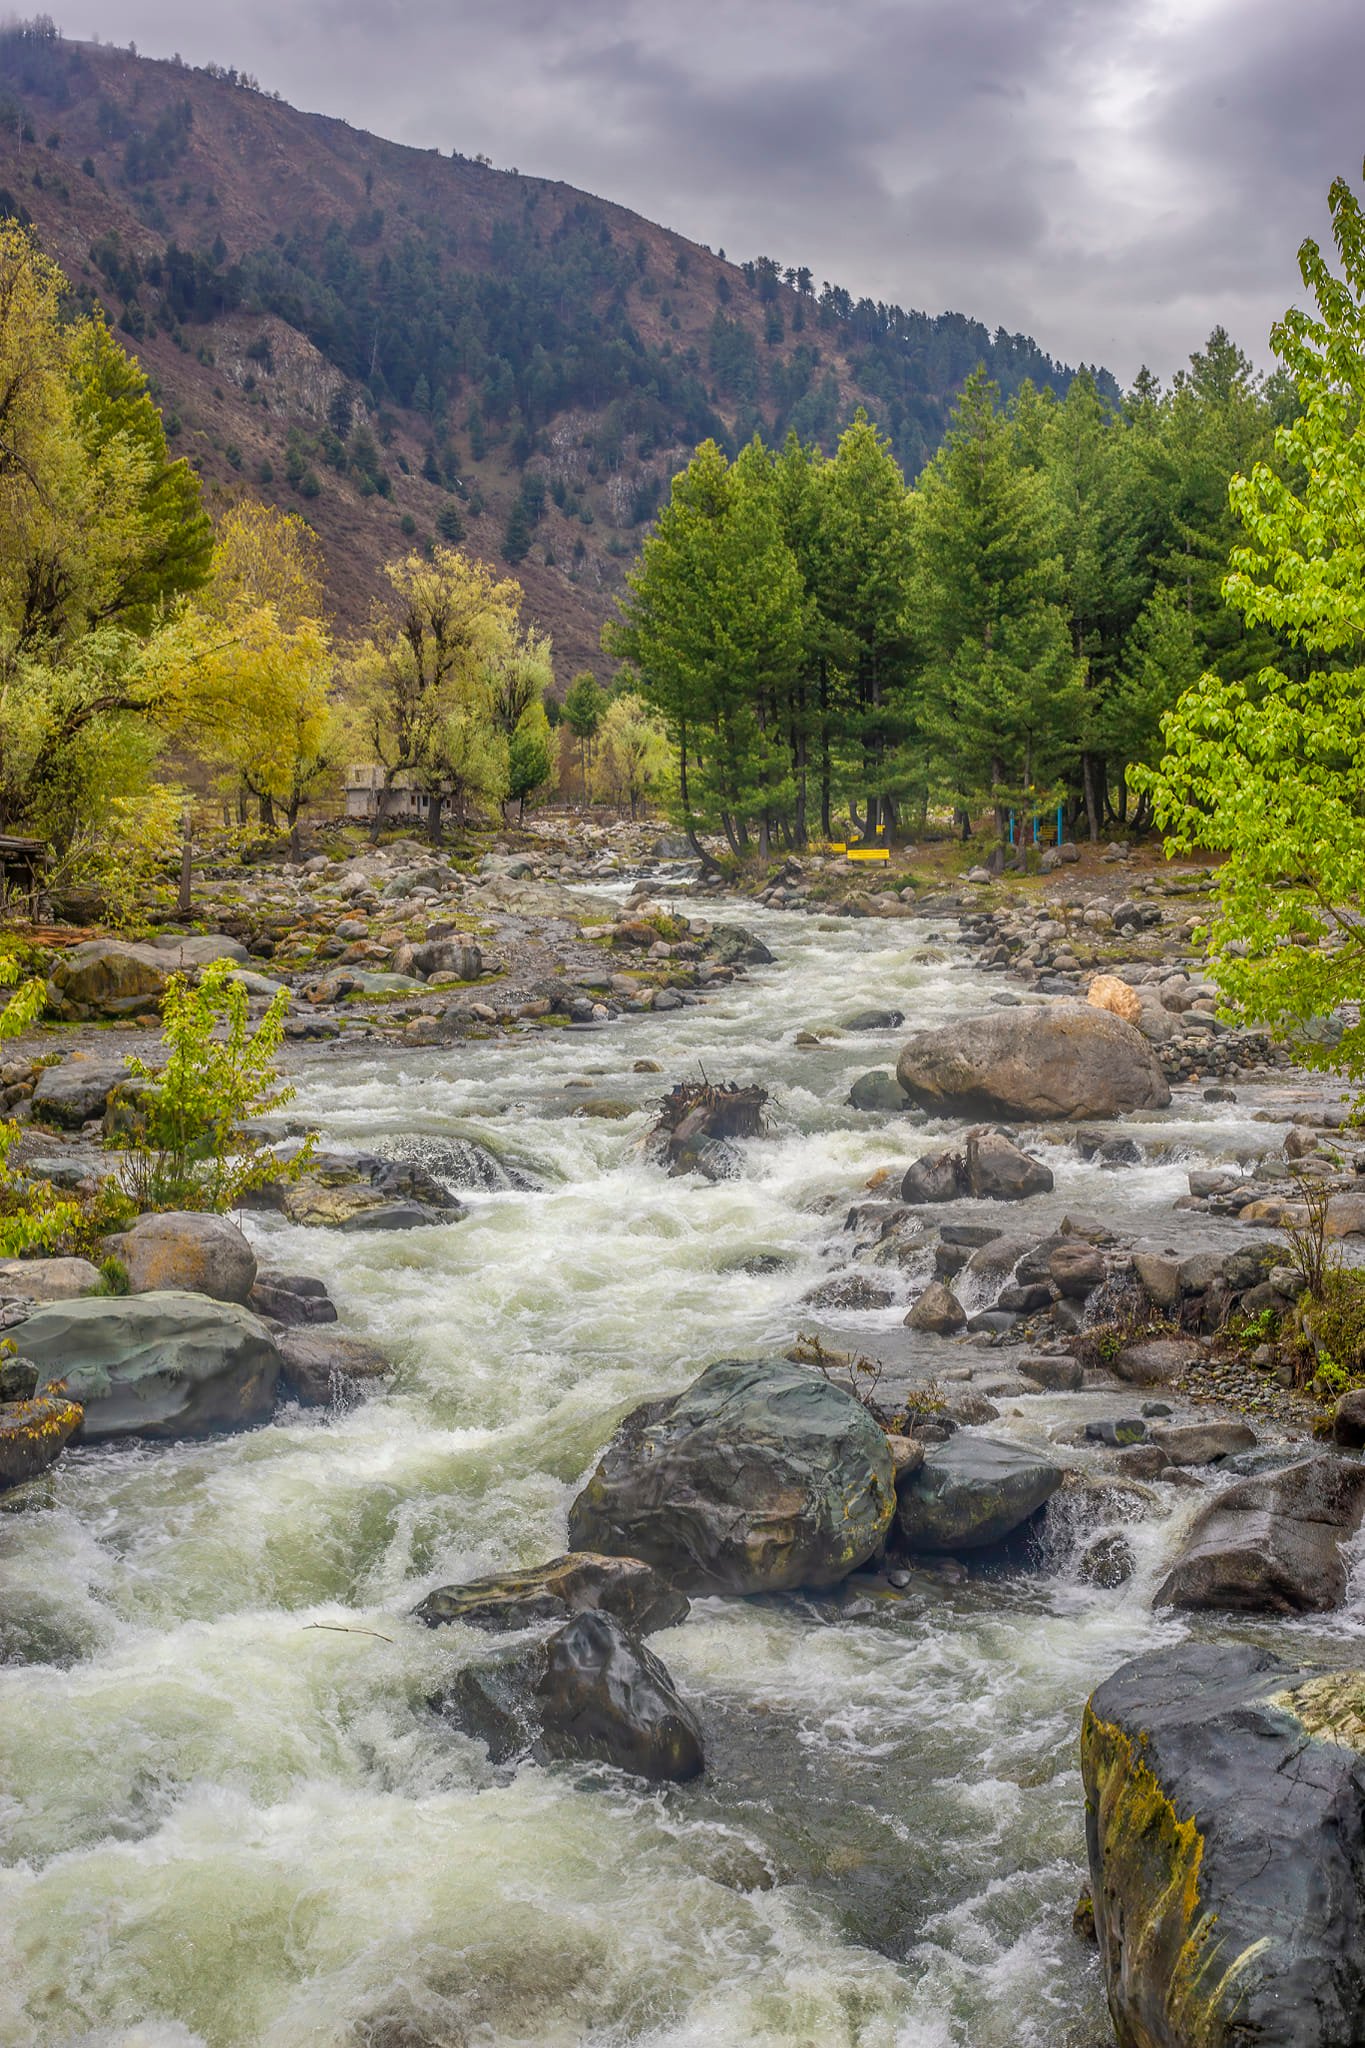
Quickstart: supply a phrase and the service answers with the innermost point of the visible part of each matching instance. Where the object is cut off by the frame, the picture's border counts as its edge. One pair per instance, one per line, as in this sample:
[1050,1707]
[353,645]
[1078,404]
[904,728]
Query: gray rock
[1155,1361]
[624,1587]
[999,1171]
[1077,1269]
[197,949]
[874,1020]
[1160,1275]
[759,1477]
[937,1178]
[160,1366]
[590,1691]
[109,978]
[77,1091]
[1054,1375]
[1272,1544]
[1203,1443]
[47,1279]
[448,956]
[187,1250]
[1117,1431]
[878,1090]
[325,1368]
[1061,1060]
[972,1492]
[33,1434]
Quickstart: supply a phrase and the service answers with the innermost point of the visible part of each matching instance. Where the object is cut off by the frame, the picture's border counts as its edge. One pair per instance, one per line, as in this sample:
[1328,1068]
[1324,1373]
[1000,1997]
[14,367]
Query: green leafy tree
[1269,766]
[585,702]
[33,1217]
[530,757]
[632,758]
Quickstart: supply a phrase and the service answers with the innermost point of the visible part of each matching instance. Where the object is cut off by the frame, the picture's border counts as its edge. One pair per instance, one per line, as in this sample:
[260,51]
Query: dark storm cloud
[1113,176]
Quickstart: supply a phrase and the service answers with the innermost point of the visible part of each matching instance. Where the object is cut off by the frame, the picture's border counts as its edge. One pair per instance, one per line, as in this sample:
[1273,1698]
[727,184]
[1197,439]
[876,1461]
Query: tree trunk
[267,811]
[292,819]
[436,804]
[1091,784]
[1002,816]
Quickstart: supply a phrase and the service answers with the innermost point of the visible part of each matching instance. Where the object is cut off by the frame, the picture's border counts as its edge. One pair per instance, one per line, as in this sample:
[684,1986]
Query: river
[229,1819]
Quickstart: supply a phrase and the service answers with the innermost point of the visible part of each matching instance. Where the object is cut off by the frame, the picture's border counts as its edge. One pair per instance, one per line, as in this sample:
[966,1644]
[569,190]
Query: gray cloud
[1112,176]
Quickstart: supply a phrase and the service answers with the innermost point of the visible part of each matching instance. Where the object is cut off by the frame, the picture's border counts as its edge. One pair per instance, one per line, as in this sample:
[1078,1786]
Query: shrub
[33,1217]
[193,1153]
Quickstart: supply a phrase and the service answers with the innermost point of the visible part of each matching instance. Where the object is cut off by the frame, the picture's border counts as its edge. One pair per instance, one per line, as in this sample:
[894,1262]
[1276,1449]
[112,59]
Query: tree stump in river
[698,1124]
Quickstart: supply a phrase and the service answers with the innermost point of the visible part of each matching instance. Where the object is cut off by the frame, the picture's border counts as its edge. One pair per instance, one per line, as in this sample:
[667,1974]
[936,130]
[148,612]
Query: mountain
[403,345]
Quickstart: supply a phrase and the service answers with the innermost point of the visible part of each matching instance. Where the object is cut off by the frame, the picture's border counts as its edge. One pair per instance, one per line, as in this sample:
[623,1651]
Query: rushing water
[230,1821]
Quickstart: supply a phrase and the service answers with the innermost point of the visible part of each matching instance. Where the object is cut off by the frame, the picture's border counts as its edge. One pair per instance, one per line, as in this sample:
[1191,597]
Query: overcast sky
[1112,176]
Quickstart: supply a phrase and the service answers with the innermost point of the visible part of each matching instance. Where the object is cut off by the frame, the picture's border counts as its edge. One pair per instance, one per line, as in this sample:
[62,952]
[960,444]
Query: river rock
[938,1177]
[1076,1270]
[47,1279]
[1054,1375]
[190,1251]
[294,1299]
[624,1587]
[448,956]
[972,1492]
[77,1091]
[160,1366]
[938,1312]
[33,1434]
[878,1090]
[1062,1060]
[590,1691]
[1203,1443]
[1155,1361]
[1272,1544]
[731,946]
[999,1171]
[324,1368]
[761,1476]
[1107,992]
[1348,1419]
[108,978]
[1226,1836]
[197,949]
[874,1020]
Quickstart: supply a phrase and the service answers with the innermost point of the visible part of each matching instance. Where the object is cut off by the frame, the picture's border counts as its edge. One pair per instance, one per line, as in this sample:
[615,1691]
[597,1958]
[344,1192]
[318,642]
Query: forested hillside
[406,346]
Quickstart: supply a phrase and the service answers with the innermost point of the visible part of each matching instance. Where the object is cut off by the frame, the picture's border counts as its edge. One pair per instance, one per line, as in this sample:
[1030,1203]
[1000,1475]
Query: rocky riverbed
[257,1798]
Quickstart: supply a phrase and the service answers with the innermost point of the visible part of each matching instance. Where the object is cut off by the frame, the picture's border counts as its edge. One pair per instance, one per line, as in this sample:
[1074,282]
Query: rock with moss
[760,1477]
[161,1366]
[187,1249]
[625,1587]
[109,978]
[1225,1827]
[590,1692]
[33,1434]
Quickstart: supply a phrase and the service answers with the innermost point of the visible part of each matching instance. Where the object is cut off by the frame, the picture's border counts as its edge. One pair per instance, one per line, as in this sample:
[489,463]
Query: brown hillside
[270,267]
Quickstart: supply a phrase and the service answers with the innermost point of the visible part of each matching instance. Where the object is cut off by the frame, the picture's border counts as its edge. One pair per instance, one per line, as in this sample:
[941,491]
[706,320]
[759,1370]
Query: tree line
[826,645]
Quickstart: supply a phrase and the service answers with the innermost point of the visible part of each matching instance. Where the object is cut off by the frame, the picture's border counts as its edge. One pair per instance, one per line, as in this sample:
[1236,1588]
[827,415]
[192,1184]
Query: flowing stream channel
[229,1819]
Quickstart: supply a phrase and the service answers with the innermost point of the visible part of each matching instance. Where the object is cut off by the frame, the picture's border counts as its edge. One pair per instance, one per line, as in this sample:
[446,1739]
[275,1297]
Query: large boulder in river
[759,1477]
[1272,1544]
[631,1591]
[1062,1060]
[325,1368]
[1225,1826]
[187,1249]
[971,1492]
[591,1691]
[161,1366]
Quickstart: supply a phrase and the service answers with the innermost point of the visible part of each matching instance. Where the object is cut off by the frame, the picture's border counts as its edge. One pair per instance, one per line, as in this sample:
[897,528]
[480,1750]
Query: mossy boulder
[33,1434]
[1225,1825]
[590,1692]
[190,1250]
[109,978]
[760,1477]
[625,1587]
[970,1493]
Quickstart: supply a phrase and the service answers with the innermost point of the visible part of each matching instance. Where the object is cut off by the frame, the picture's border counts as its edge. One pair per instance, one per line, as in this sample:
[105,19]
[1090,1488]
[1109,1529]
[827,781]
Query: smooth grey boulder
[198,949]
[1076,1270]
[971,1492]
[1059,1060]
[590,1692]
[448,956]
[624,1587]
[878,1090]
[108,978]
[1202,1443]
[1225,1828]
[1155,1361]
[1272,1544]
[76,1092]
[760,1477]
[188,1250]
[161,1366]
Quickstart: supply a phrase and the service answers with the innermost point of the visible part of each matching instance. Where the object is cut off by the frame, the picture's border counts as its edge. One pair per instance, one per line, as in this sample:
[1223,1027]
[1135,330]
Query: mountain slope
[404,345]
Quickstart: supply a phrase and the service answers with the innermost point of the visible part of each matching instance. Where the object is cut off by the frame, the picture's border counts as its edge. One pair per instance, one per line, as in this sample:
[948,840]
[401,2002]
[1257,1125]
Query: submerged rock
[1272,1544]
[624,1587]
[1065,1060]
[1226,1835]
[761,1476]
[162,1366]
[324,1368]
[878,1090]
[971,1492]
[591,1691]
